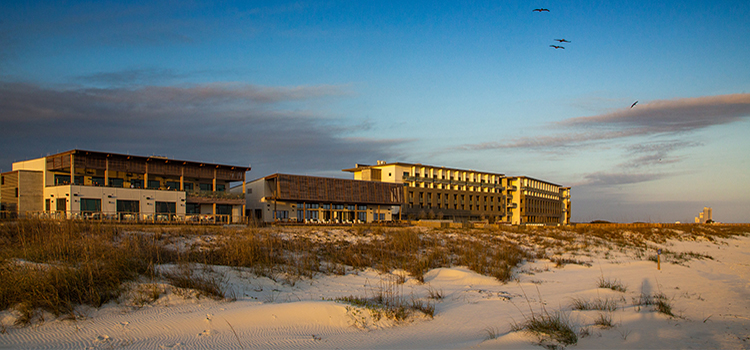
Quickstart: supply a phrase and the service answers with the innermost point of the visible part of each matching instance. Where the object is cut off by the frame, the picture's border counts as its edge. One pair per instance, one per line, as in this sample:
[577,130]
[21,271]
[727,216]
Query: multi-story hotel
[536,202]
[310,199]
[432,192]
[88,184]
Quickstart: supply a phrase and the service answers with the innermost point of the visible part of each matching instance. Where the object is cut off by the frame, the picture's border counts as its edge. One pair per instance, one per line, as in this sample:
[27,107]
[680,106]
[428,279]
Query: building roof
[358,167]
[149,159]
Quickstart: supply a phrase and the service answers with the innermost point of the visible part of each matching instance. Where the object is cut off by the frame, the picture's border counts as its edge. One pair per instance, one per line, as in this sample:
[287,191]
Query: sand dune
[710,300]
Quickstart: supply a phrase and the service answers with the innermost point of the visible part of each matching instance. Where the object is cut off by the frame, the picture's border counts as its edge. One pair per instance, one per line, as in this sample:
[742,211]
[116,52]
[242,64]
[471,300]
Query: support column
[72,170]
[244,195]
[145,177]
[106,171]
[182,178]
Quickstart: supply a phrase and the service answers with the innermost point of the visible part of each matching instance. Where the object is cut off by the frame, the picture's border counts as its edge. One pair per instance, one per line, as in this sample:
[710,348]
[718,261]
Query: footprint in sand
[171,346]
[102,338]
[207,332]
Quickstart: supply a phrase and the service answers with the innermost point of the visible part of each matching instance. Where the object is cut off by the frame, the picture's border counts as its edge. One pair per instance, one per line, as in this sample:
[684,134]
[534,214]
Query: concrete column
[72,169]
[106,171]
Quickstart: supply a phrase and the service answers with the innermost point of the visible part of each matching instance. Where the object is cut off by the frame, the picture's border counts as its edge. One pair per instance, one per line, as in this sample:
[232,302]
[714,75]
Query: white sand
[710,298]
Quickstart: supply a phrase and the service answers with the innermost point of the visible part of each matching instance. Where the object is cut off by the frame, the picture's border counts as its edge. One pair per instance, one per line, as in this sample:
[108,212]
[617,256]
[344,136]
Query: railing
[215,195]
[133,217]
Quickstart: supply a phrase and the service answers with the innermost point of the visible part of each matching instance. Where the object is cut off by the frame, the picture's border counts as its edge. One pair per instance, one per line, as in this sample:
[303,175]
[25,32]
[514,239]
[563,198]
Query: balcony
[512,188]
[217,197]
[512,205]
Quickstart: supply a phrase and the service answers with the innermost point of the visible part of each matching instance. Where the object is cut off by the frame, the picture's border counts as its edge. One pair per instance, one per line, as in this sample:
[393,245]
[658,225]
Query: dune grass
[56,265]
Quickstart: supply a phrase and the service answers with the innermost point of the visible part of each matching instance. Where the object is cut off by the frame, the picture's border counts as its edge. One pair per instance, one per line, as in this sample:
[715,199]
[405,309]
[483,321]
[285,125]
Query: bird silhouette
[540,10]
[562,40]
[633,105]
[557,47]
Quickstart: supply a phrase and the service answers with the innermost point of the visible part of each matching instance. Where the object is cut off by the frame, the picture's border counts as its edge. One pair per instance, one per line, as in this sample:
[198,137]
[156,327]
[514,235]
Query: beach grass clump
[596,304]
[613,284]
[204,282]
[556,326]
[56,265]
[604,321]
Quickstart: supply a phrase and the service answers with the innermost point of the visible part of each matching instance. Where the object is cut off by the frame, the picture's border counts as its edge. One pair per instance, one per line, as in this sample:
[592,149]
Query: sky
[313,87]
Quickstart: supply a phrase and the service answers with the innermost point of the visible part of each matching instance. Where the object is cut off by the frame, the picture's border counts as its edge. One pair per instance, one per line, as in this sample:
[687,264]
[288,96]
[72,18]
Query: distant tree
[600,222]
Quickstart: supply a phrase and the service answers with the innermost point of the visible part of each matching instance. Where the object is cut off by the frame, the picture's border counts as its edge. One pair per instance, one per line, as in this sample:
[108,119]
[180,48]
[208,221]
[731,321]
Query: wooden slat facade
[330,190]
[142,165]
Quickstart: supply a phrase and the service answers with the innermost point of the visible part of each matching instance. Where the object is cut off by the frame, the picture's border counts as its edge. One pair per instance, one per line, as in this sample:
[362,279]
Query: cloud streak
[273,128]
[657,117]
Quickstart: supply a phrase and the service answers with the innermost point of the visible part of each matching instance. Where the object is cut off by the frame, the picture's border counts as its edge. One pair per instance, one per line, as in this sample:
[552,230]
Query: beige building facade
[442,193]
[100,185]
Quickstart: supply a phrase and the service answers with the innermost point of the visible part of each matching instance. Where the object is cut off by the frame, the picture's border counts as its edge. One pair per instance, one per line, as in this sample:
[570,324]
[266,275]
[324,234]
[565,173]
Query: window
[362,216]
[2,180]
[205,187]
[62,180]
[188,186]
[136,183]
[90,205]
[166,207]
[97,181]
[47,205]
[221,187]
[312,205]
[192,208]
[16,192]
[281,214]
[125,206]
[173,185]
[382,217]
[311,215]
[361,207]
[154,184]
[326,206]
[226,209]
[115,182]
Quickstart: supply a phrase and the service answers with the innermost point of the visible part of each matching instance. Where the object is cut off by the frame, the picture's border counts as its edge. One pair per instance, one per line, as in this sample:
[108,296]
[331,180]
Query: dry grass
[56,265]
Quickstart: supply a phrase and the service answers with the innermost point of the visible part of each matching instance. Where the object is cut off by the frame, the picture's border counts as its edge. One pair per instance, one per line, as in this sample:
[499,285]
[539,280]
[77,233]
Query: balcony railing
[215,195]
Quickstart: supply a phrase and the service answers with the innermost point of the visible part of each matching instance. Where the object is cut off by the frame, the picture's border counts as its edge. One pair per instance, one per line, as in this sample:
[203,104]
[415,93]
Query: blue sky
[312,87]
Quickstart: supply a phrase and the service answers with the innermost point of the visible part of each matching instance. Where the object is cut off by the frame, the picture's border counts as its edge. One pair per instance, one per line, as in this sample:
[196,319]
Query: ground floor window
[115,182]
[300,215]
[311,215]
[192,208]
[90,205]
[281,214]
[126,206]
[362,216]
[166,207]
[224,209]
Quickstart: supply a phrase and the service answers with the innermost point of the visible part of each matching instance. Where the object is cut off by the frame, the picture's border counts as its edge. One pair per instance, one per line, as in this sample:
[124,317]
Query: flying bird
[540,10]
[562,40]
[633,105]
[557,47]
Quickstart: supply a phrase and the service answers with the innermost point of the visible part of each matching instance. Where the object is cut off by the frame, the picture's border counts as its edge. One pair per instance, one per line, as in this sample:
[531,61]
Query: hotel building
[87,184]
[432,192]
[441,193]
[310,199]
